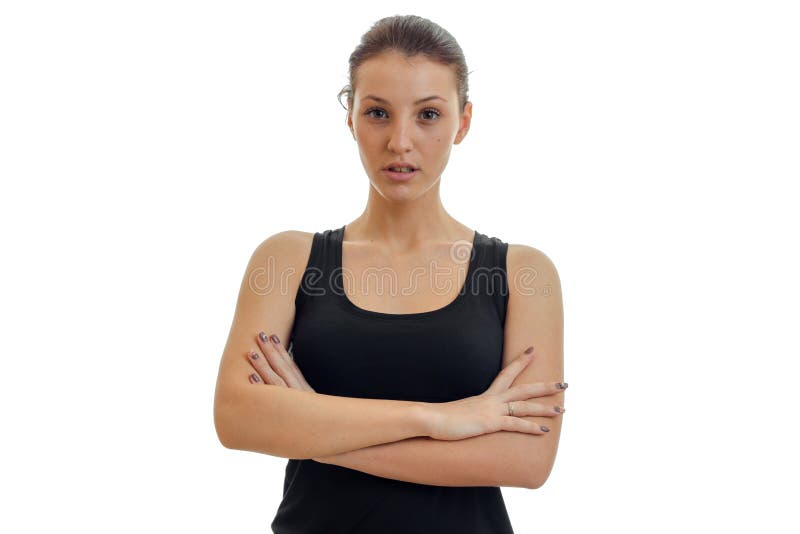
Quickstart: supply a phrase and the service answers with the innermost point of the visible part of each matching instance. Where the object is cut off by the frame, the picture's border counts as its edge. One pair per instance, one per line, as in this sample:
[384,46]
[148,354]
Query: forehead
[399,79]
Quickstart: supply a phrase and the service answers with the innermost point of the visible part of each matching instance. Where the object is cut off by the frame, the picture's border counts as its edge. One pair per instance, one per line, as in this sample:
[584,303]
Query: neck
[405,225]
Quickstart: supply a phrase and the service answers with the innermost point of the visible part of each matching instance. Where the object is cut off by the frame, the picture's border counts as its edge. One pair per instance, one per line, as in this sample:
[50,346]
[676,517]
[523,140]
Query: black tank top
[435,356]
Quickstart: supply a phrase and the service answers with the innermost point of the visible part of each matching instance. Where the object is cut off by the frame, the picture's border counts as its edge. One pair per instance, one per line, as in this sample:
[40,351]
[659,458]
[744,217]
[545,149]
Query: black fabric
[436,356]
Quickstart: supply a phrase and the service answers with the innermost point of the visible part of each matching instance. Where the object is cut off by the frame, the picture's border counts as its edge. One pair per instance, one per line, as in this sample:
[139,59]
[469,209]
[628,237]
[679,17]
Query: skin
[277,367]
[405,224]
[398,129]
[401,218]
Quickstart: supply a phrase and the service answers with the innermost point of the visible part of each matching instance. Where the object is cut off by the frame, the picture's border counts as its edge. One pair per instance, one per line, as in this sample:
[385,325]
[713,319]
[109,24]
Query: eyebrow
[432,97]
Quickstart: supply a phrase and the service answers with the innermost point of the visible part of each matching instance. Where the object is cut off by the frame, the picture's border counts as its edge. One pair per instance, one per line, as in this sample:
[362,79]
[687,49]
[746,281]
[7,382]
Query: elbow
[529,478]
[538,475]
[536,461]
[221,426]
[226,425]
[226,441]
[239,426]
[535,482]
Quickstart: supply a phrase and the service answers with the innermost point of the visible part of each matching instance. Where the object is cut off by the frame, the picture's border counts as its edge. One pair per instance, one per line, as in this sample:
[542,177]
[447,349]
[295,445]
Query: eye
[428,113]
[368,113]
[432,110]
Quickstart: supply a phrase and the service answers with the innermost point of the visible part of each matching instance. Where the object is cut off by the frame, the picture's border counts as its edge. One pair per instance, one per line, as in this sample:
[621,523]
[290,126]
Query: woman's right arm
[281,421]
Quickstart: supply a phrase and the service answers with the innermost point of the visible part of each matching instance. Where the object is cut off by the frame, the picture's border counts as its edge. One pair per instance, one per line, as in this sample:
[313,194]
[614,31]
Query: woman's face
[406,110]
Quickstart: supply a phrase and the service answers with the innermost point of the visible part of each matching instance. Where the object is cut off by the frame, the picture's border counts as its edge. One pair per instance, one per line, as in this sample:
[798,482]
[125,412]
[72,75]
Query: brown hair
[410,35]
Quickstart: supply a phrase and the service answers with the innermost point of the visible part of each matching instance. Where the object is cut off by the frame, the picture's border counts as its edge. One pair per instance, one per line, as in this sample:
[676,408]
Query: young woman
[405,410]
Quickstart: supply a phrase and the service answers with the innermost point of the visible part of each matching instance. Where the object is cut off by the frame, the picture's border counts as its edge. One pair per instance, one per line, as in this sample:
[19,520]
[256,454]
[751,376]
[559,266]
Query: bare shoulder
[279,260]
[265,303]
[531,270]
[288,245]
[535,318]
[535,314]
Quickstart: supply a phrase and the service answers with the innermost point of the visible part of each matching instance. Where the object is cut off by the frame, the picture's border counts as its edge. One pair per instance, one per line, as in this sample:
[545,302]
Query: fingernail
[562,385]
[275,339]
[255,377]
[529,350]
[558,409]
[253,356]
[262,336]
[545,429]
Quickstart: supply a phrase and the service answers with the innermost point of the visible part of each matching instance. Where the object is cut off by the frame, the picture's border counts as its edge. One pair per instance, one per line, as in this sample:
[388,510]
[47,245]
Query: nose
[400,140]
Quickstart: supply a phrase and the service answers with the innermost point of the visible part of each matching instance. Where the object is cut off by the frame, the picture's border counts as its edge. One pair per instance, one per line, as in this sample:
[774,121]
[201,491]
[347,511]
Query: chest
[442,356]
[419,283]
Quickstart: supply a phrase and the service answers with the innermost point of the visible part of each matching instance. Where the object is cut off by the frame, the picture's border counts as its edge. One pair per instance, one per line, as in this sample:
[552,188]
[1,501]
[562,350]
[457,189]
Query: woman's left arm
[486,460]
[535,317]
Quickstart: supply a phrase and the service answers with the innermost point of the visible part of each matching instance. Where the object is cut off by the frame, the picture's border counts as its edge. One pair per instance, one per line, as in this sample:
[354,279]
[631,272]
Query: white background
[650,149]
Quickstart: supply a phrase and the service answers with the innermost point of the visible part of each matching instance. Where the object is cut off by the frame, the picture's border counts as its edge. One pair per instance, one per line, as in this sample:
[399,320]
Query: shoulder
[536,318]
[282,254]
[531,271]
[288,244]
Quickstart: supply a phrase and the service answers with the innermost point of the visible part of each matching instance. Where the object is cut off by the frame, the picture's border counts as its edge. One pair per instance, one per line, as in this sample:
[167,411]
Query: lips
[402,176]
[399,165]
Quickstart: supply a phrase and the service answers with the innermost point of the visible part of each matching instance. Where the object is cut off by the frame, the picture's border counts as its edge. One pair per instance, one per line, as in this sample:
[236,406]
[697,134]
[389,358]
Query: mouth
[400,174]
[400,168]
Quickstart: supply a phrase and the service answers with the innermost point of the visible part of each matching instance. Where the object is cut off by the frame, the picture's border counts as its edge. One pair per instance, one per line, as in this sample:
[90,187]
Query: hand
[488,412]
[274,365]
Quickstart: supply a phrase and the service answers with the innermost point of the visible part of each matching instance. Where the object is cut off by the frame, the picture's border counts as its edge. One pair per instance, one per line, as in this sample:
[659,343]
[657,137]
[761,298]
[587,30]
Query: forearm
[293,423]
[485,460]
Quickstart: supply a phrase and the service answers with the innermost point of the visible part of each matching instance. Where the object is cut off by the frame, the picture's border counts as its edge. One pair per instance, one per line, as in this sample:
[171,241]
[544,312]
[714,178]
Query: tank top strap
[490,276]
[321,266]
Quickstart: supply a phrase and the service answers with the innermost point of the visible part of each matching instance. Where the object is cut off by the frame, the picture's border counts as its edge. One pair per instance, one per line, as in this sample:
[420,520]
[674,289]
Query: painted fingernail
[262,336]
[529,350]
[545,429]
[275,339]
[255,378]
[253,356]
[562,385]
[558,409]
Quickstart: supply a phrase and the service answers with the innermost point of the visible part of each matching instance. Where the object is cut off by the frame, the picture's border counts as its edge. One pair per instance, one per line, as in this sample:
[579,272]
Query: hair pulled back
[409,35]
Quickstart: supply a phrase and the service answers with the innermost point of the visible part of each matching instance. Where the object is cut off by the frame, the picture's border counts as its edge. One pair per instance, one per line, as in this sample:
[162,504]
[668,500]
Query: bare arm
[485,460]
[535,316]
[300,424]
[282,421]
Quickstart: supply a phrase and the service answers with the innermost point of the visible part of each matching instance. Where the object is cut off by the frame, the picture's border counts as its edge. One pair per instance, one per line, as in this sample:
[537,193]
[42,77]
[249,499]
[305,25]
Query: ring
[510,409]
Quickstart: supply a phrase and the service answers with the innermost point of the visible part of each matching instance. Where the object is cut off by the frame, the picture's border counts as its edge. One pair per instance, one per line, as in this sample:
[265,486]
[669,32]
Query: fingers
[255,379]
[282,362]
[292,365]
[515,424]
[510,372]
[270,347]
[533,389]
[264,373]
[531,408]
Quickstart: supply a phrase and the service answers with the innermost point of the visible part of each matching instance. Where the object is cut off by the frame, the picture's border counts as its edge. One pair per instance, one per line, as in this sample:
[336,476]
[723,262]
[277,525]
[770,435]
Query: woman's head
[407,102]
[410,36]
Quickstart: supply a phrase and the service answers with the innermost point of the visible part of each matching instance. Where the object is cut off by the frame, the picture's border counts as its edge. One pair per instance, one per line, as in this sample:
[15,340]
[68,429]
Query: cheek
[368,142]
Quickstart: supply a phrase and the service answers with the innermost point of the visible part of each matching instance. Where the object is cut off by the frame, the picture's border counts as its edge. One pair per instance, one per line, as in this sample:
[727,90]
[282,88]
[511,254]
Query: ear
[350,125]
[466,119]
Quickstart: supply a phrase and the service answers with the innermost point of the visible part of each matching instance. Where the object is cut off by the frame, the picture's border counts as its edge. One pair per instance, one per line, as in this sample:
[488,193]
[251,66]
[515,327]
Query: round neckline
[338,268]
